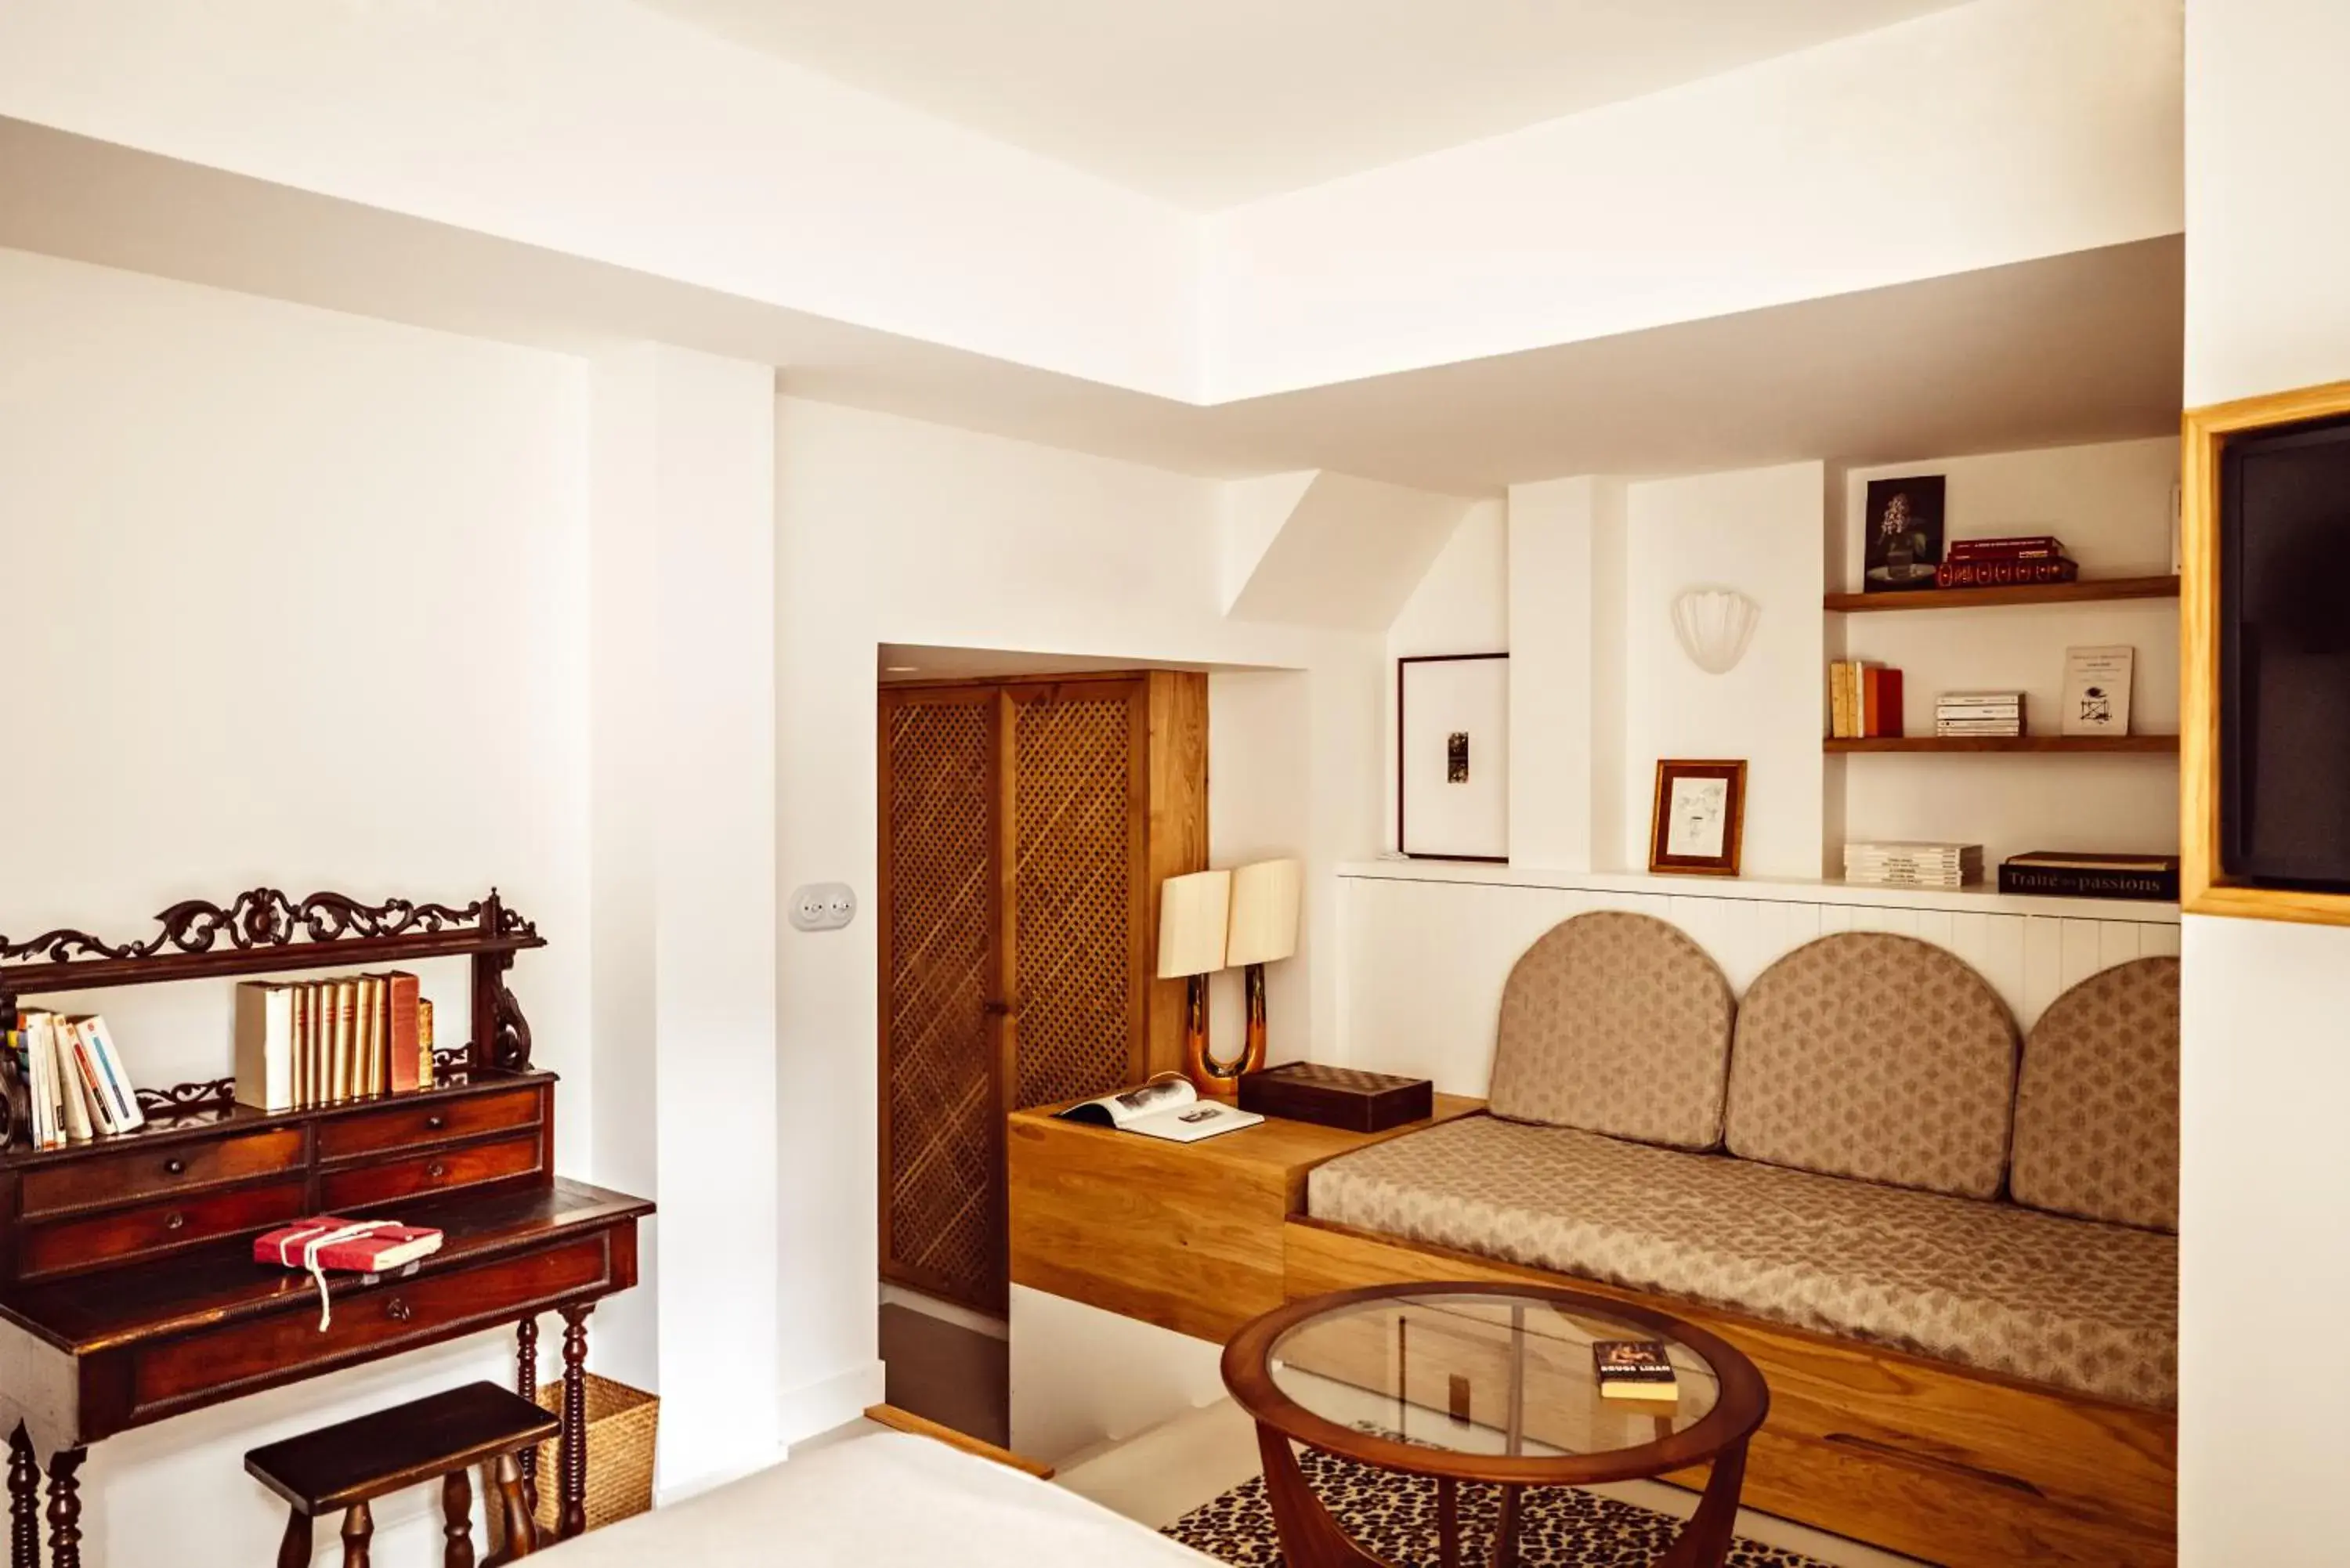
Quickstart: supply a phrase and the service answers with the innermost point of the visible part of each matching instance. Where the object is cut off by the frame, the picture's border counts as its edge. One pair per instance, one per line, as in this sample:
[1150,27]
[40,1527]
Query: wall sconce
[1714,626]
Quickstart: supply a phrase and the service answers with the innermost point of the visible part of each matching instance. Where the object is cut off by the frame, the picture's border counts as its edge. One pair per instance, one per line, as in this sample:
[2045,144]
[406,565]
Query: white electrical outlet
[822,907]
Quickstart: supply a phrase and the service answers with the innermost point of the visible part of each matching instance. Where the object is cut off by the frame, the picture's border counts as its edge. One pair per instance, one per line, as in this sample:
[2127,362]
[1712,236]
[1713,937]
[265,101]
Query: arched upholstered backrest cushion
[1877,1056]
[2096,1113]
[1615,1023]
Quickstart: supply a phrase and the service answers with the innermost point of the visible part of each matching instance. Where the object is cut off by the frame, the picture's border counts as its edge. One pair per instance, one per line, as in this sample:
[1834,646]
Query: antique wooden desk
[128,1293]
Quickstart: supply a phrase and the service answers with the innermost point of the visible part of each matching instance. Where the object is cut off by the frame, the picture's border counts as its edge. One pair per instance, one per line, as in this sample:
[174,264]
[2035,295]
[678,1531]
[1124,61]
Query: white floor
[1158,1477]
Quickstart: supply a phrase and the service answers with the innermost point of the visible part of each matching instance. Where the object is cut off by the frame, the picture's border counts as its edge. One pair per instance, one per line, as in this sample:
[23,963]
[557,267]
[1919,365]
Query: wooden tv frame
[2205,888]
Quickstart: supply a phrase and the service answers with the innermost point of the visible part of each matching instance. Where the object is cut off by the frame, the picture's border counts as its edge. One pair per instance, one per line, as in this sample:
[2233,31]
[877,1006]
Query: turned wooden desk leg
[65,1508]
[526,1385]
[457,1520]
[574,1462]
[358,1529]
[294,1548]
[24,1501]
[522,1530]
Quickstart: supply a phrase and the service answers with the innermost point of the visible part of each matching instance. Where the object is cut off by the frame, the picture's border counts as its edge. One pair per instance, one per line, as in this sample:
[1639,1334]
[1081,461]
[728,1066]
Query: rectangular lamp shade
[1265,912]
[1191,913]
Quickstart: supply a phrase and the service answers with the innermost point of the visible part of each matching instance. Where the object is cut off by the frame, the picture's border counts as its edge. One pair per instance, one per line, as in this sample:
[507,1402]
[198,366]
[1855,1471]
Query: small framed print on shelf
[1699,817]
[1453,756]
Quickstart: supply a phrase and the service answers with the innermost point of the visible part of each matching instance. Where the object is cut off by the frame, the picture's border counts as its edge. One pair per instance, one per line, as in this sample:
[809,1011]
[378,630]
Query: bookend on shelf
[263,932]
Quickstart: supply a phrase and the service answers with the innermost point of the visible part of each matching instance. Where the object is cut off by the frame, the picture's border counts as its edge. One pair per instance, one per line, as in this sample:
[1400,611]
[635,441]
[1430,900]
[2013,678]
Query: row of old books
[1863,699]
[1999,563]
[318,1042]
[1900,863]
[1959,714]
[65,1081]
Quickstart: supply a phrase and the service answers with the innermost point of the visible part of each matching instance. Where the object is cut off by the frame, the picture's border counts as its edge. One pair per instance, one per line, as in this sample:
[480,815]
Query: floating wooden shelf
[2109,745]
[2087,590]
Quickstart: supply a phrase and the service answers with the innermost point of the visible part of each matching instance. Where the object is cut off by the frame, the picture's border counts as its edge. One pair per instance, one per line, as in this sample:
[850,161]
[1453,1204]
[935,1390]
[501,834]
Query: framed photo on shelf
[1699,817]
[1904,534]
[1453,756]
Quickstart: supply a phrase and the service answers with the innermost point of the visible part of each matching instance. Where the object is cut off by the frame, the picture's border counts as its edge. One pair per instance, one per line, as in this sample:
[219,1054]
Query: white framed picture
[1453,756]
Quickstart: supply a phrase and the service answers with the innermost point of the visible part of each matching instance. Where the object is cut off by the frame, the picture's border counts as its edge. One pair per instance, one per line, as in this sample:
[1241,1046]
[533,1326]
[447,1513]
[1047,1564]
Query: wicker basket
[621,1425]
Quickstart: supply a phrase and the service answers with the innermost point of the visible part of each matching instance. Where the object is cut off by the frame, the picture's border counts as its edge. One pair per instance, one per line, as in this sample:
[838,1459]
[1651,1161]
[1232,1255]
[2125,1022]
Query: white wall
[2111,506]
[1756,531]
[889,530]
[300,600]
[683,824]
[2262,1243]
[1461,605]
[1988,133]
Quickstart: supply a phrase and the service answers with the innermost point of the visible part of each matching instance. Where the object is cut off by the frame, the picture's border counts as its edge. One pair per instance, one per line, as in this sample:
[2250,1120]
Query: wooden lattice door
[941,966]
[1026,828]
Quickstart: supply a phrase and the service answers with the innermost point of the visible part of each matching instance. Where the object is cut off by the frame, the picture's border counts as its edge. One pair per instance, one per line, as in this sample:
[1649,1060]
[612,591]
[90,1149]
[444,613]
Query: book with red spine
[2010,546]
[349,1246]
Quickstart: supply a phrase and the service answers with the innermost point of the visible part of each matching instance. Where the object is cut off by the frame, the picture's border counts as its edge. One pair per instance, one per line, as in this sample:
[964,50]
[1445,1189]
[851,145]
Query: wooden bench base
[1957,1467]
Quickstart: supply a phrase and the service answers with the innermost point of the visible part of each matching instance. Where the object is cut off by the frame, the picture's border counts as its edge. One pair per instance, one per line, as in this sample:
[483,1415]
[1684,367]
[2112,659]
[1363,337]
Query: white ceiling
[2078,348]
[1207,103]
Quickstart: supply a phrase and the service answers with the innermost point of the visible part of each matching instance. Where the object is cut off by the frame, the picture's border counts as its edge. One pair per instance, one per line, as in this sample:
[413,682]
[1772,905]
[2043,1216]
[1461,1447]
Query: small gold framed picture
[1701,815]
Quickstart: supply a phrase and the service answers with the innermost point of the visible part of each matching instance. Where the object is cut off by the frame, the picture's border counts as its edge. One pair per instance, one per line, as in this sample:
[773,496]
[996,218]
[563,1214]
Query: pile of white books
[1898,865]
[1978,713]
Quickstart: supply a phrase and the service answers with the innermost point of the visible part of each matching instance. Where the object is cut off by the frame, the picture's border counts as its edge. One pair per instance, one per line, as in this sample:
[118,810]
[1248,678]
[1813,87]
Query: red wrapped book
[352,1246]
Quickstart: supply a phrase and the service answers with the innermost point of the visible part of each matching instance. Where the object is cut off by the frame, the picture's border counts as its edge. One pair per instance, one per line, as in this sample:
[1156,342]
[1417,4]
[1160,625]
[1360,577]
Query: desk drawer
[62,1246]
[438,1172]
[288,1343]
[435,1121]
[158,1171]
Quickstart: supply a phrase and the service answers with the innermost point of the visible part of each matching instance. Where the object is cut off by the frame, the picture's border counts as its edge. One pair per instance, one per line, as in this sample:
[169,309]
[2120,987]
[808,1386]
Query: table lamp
[1192,922]
[1263,930]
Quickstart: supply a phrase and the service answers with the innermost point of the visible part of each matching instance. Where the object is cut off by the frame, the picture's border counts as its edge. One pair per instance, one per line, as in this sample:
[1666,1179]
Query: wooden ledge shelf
[2107,745]
[2088,590]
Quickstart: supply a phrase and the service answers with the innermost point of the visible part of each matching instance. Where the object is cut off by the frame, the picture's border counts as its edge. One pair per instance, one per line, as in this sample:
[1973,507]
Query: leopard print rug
[1395,1516]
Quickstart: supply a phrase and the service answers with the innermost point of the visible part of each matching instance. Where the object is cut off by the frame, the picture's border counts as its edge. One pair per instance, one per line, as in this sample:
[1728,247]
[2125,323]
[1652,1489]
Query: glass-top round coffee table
[1491,1383]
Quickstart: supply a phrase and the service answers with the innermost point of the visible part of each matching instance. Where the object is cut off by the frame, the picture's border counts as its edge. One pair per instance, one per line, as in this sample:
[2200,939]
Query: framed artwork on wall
[1453,756]
[1699,817]
[1904,542]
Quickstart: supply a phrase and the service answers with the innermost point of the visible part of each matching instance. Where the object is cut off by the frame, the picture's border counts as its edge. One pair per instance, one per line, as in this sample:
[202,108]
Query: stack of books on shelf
[317,1043]
[1864,701]
[66,1082]
[1999,562]
[1898,865]
[1978,713]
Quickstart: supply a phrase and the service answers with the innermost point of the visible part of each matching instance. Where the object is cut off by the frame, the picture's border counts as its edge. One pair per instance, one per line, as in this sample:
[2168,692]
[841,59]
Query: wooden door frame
[2205,888]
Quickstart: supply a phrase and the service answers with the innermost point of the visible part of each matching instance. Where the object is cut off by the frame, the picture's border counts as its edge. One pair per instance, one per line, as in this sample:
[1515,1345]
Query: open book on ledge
[1167,1108]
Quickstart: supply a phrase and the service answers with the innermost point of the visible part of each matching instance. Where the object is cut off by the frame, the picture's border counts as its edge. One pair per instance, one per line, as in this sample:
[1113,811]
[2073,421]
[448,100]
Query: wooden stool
[350,1464]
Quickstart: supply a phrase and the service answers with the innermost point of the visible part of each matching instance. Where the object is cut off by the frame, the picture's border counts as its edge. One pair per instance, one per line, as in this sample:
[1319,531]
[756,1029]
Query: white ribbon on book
[317,1239]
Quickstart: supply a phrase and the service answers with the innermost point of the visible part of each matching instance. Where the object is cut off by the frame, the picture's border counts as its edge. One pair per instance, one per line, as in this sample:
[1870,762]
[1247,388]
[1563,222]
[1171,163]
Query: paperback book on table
[1633,1369]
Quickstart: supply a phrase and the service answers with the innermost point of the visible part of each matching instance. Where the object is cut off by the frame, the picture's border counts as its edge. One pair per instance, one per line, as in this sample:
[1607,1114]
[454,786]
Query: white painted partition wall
[1428,945]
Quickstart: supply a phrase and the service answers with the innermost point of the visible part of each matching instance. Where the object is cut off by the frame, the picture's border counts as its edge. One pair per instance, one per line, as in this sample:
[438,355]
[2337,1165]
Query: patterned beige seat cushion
[2096,1113]
[1617,1023]
[2092,1308]
[1877,1056]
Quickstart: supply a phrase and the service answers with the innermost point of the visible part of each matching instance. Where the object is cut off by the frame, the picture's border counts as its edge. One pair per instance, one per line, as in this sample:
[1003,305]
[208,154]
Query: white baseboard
[830,1402]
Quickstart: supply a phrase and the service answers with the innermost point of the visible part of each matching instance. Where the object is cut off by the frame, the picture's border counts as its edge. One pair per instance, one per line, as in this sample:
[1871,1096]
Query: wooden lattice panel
[945,1180]
[1074,897]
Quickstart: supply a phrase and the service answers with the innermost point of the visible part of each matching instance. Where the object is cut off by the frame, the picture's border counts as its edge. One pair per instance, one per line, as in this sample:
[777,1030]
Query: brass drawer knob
[175,1167]
[435,1123]
[175,1221]
[436,1170]
[398,1311]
